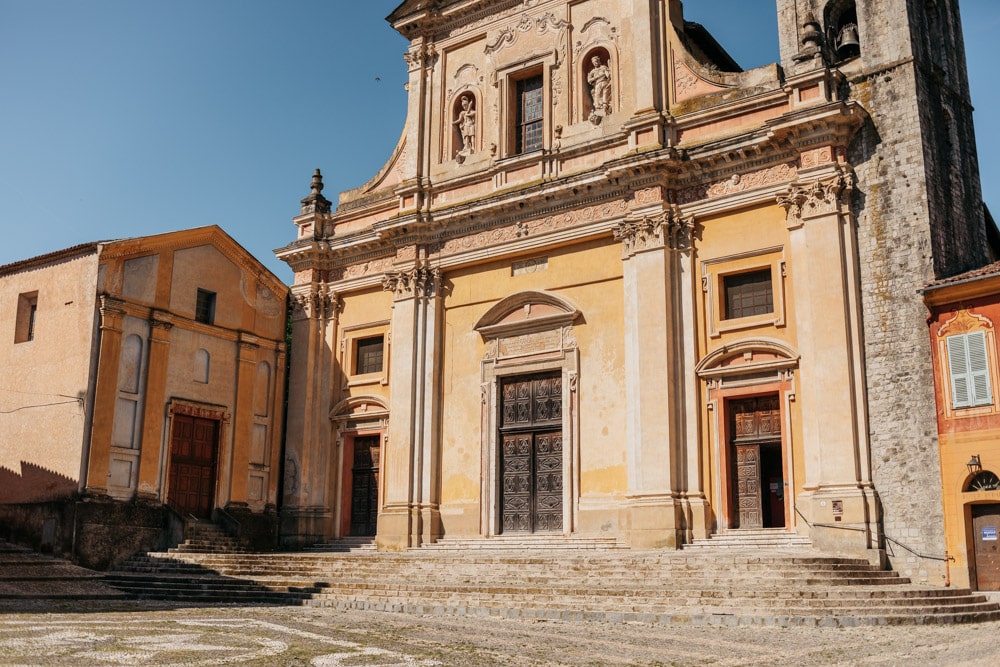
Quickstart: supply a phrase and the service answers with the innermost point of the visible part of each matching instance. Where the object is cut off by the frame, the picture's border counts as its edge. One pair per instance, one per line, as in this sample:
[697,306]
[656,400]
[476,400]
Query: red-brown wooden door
[755,429]
[986,543]
[193,453]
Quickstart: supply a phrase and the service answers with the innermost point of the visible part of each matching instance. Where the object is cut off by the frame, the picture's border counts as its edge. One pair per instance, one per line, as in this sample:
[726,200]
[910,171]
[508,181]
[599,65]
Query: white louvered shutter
[979,368]
[968,364]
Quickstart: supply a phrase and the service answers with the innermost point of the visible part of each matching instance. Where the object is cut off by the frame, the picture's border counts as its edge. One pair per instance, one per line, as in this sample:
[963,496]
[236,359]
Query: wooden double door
[757,471]
[531,454]
[194,447]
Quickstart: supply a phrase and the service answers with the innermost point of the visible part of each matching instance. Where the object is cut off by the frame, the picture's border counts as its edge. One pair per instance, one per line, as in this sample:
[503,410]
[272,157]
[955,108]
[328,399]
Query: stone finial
[315,202]
[811,34]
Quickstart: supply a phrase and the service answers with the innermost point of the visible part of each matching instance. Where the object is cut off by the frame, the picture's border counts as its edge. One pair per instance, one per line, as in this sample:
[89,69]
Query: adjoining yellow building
[964,311]
[140,375]
[608,284]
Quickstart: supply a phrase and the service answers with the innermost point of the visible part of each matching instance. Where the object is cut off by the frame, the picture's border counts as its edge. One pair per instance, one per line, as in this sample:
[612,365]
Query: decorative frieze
[416,282]
[737,183]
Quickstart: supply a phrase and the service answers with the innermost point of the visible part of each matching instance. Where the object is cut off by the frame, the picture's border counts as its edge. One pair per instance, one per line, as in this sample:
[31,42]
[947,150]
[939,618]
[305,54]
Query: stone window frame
[555,351]
[26,318]
[713,274]
[538,63]
[964,322]
[349,338]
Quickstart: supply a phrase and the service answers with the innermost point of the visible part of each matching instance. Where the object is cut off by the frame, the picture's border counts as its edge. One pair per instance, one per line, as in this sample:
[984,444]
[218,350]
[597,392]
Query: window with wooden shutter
[968,365]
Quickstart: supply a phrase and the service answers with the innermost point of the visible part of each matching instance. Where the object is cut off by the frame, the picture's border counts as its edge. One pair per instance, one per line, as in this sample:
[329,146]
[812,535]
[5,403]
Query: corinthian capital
[320,302]
[420,281]
[640,234]
[803,201]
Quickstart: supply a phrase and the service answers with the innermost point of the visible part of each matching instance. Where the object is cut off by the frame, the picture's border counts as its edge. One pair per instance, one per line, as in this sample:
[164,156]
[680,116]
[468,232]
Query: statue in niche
[599,79]
[466,123]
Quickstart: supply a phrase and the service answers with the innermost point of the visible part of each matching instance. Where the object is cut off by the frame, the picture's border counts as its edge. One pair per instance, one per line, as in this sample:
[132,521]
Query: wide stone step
[766,587]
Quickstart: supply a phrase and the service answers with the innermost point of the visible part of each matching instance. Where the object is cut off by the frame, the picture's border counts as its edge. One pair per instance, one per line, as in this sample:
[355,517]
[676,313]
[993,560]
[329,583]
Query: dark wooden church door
[531,454]
[755,425]
[193,453]
[364,486]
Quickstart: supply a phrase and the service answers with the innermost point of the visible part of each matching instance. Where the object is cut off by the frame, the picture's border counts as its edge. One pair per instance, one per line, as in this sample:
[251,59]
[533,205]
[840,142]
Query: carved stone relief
[737,183]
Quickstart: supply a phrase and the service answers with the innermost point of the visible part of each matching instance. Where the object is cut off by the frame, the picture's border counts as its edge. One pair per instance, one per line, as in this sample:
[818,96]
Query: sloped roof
[988,271]
[50,257]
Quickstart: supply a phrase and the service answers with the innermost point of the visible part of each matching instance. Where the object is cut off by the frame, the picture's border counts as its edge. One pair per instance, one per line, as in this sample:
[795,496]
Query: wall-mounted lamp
[974,465]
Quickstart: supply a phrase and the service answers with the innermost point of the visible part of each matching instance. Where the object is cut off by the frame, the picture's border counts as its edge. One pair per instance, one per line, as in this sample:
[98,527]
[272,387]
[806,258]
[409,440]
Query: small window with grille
[368,355]
[529,114]
[747,294]
[204,309]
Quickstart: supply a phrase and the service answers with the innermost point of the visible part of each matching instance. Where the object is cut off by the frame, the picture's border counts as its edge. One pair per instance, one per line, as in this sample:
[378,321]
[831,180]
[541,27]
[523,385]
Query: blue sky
[122,118]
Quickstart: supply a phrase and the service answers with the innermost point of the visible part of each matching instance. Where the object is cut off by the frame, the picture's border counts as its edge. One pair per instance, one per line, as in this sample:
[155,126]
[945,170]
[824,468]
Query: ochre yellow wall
[589,276]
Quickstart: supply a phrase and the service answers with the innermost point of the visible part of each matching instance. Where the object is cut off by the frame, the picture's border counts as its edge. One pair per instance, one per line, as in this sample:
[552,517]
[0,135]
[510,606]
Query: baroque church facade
[609,284]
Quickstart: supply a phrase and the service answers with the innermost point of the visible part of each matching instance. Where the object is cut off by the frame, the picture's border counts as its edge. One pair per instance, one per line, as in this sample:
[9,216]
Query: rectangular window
[969,368]
[204,309]
[748,294]
[368,355]
[530,113]
[27,310]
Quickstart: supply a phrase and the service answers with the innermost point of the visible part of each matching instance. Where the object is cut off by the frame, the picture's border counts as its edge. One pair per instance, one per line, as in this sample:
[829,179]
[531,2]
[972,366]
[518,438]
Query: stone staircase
[534,544]
[206,537]
[26,575]
[344,545]
[722,586]
[743,539]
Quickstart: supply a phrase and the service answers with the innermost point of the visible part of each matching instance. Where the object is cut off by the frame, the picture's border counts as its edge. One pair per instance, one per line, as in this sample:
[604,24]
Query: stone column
[410,514]
[154,415]
[306,516]
[684,283]
[838,497]
[654,519]
[112,314]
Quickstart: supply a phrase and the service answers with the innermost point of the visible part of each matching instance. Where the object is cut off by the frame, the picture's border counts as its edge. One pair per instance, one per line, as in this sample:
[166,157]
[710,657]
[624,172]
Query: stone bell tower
[919,216]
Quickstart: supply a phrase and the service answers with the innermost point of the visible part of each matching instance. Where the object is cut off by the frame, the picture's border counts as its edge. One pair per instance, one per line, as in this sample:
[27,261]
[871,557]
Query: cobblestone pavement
[159,634]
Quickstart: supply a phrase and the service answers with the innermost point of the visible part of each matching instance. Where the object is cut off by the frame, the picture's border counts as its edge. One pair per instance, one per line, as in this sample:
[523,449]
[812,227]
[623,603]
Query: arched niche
[605,56]
[465,120]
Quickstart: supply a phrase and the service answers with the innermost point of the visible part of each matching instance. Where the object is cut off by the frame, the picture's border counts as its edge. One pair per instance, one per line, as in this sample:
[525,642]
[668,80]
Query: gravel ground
[70,633]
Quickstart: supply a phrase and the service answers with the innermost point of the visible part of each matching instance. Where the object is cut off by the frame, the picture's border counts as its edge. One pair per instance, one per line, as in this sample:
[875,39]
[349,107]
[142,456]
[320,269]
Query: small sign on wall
[989,533]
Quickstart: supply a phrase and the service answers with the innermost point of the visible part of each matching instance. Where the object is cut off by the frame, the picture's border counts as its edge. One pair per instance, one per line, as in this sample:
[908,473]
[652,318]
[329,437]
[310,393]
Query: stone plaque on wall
[534,343]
